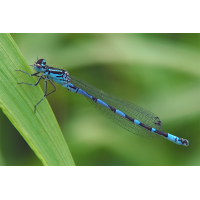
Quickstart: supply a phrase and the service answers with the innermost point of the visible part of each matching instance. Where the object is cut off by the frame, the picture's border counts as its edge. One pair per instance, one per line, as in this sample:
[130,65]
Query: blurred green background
[160,72]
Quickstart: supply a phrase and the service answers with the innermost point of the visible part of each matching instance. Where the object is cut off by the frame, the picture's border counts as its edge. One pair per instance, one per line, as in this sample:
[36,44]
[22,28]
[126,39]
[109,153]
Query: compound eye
[41,62]
[44,62]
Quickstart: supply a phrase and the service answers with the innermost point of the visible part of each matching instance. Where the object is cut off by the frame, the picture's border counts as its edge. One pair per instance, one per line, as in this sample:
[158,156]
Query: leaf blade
[40,130]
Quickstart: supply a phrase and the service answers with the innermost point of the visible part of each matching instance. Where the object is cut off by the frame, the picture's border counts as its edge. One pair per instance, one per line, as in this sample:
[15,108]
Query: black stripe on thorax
[55,69]
[52,70]
[55,72]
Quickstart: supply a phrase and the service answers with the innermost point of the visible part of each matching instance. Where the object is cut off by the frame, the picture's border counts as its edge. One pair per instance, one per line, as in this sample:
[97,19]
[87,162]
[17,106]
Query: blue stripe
[137,122]
[174,139]
[84,93]
[153,129]
[120,113]
[103,103]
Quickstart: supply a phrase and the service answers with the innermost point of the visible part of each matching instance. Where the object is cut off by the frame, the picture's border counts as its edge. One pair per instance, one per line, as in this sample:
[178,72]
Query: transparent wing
[129,109]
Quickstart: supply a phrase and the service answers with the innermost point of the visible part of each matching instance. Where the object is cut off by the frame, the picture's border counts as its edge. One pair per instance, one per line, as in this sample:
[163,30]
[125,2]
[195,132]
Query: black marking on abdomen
[74,87]
[146,127]
[77,89]
[130,118]
[161,133]
[94,99]
[112,109]
[184,141]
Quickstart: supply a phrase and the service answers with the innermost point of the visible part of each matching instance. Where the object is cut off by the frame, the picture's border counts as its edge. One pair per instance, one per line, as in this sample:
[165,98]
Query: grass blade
[40,130]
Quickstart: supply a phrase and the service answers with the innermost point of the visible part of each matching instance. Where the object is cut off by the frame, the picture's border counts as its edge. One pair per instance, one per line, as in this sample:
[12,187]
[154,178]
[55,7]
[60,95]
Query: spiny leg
[53,86]
[32,84]
[45,92]
[40,77]
[35,74]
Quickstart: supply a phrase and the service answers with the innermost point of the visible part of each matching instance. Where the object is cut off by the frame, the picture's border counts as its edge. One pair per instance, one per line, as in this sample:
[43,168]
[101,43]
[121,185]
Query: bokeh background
[160,72]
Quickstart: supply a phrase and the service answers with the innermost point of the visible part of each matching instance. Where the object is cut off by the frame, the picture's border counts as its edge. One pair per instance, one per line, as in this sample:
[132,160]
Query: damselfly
[127,115]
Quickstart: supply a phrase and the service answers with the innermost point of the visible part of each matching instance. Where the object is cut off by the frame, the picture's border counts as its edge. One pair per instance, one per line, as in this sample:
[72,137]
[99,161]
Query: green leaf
[40,130]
